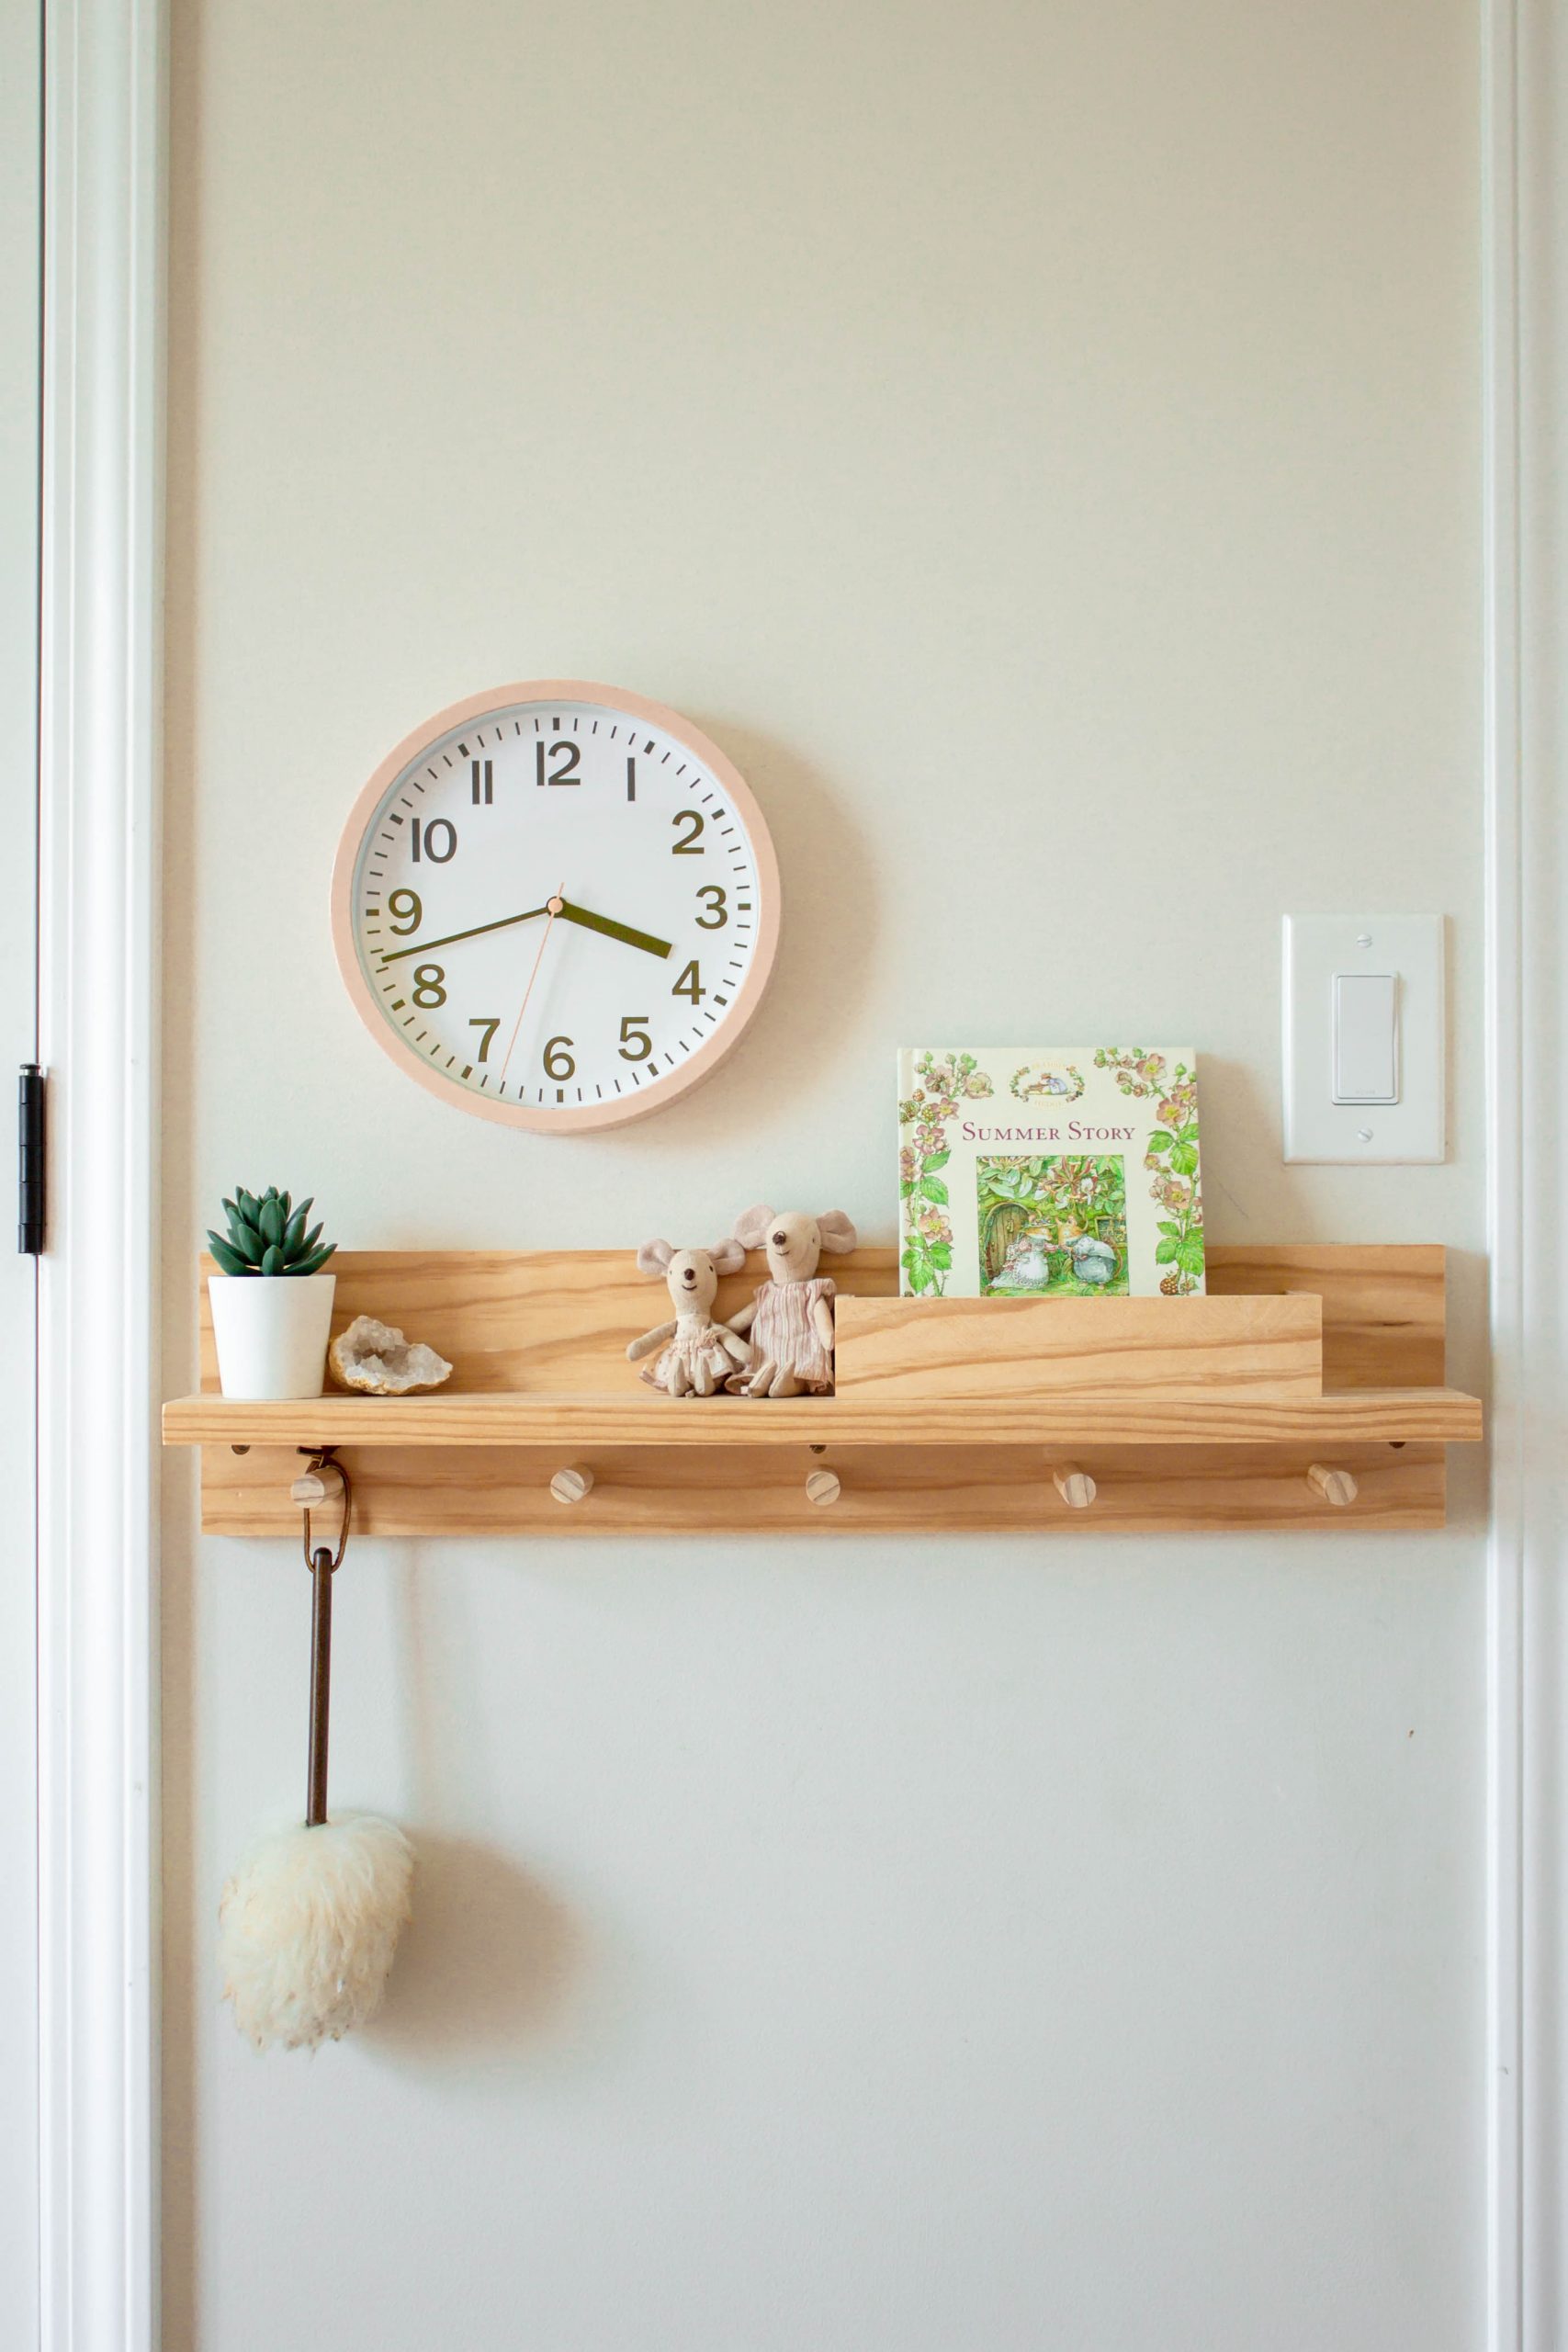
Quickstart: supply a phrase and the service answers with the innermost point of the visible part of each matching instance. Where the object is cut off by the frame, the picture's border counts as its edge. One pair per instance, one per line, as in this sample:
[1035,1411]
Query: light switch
[1364,1058]
[1366,1055]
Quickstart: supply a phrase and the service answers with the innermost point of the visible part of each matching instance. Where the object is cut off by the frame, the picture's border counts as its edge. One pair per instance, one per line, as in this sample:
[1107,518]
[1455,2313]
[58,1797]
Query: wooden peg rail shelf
[1306,1390]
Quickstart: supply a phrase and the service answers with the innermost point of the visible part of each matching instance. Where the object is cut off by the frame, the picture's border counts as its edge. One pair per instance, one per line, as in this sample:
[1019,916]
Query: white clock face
[557,905]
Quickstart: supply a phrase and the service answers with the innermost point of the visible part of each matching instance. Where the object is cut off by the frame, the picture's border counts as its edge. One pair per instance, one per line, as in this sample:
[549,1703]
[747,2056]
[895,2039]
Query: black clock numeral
[636,1044]
[690,983]
[410,912]
[631,779]
[426,843]
[429,986]
[490,1028]
[481,782]
[718,914]
[557,1061]
[568,756]
[687,844]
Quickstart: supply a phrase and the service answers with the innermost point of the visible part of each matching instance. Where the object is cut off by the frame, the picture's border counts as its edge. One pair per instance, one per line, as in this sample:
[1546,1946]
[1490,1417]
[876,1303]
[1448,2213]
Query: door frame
[21,193]
[1505,1141]
[1524,536]
[103,176]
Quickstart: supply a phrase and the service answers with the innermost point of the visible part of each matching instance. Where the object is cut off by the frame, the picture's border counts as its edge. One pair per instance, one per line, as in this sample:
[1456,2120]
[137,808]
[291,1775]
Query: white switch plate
[1321,951]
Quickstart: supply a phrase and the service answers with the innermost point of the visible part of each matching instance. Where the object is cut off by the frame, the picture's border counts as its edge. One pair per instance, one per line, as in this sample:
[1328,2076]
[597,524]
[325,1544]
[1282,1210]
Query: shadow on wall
[491,1965]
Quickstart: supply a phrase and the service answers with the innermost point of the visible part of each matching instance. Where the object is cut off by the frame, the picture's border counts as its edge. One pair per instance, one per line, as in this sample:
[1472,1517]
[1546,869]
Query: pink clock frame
[580,1117]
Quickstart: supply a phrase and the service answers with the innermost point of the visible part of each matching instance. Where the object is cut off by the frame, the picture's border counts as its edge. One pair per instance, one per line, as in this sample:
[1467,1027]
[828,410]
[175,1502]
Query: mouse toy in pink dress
[790,1321]
[701,1355]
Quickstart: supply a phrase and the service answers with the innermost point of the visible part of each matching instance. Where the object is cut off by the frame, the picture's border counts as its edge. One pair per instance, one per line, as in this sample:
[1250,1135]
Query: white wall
[1039,443]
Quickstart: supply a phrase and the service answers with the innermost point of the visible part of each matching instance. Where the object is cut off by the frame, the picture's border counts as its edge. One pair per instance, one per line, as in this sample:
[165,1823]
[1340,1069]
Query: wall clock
[556,905]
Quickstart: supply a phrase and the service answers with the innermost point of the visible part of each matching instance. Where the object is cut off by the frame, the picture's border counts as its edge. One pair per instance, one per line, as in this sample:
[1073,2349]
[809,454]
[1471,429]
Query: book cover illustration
[1049,1171]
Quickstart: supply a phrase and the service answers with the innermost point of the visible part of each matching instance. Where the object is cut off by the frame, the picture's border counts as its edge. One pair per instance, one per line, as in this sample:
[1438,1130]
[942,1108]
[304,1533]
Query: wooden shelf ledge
[1348,1417]
[1306,1391]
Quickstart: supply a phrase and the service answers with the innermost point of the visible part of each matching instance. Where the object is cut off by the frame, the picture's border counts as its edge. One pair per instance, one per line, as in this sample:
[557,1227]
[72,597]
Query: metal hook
[325,1457]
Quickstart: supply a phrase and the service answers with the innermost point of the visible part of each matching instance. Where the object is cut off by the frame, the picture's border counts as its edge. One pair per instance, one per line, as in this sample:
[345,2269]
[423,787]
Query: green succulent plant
[266,1236]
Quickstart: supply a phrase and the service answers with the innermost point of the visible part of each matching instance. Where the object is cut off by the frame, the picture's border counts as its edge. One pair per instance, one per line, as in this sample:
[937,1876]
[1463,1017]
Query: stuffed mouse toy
[790,1320]
[701,1355]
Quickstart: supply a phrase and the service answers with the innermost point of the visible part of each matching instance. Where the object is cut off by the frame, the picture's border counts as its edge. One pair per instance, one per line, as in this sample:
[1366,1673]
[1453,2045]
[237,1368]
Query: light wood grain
[320,1486]
[559,1320]
[935,1490]
[528,1321]
[713,1424]
[1072,1483]
[1043,1347]
[572,1483]
[1336,1486]
[541,1384]
[1384,1307]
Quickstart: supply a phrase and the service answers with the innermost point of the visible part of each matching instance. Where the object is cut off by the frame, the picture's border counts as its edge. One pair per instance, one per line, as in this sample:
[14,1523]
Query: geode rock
[374,1356]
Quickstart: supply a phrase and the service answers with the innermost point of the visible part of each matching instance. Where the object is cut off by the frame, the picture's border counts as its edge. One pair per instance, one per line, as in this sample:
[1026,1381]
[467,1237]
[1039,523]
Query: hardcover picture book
[1049,1171]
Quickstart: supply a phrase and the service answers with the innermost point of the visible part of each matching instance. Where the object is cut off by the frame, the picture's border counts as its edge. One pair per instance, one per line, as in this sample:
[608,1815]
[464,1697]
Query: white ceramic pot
[272,1332]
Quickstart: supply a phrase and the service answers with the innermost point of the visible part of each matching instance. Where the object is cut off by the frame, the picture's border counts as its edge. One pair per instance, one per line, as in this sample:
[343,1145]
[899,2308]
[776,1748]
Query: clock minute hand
[424,946]
[622,931]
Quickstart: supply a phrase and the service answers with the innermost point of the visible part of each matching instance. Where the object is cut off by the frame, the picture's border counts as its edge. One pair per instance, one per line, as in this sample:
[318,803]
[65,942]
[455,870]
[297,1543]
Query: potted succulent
[272,1306]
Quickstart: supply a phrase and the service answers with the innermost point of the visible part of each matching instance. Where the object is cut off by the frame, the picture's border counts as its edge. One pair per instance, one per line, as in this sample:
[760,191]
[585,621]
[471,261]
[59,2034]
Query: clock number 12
[568,758]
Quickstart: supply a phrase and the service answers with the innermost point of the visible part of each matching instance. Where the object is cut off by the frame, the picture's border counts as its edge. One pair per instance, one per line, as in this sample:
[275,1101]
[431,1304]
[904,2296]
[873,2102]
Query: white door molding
[1526,308]
[1505,1160]
[102,487]
[21,166]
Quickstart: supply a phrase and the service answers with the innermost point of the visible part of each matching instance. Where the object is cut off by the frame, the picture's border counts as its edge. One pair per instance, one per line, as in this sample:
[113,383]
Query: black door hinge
[30,1162]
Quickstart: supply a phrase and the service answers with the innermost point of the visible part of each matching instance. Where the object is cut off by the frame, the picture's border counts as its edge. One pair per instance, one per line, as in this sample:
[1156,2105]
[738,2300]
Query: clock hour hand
[623,931]
[424,946]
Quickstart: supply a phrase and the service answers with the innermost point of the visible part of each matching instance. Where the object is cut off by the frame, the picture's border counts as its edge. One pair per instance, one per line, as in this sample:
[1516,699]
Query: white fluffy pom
[307,1929]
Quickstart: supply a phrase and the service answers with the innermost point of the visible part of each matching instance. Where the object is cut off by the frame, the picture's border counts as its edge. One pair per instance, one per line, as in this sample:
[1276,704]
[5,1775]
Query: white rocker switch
[1363,1046]
[1366,1037]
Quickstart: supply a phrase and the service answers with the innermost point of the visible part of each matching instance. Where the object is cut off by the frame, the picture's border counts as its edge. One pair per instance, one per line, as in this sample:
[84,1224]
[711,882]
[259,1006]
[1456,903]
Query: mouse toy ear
[727,1256]
[837,1233]
[752,1226]
[654,1258]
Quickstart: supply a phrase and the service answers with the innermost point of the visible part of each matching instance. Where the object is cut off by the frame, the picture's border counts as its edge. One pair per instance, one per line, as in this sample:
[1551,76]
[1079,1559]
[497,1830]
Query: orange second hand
[529,991]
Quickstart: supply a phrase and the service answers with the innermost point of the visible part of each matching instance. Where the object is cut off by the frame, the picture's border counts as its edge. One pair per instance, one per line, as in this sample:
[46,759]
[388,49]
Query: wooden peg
[1336,1487]
[310,1490]
[822,1486]
[569,1486]
[1076,1487]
